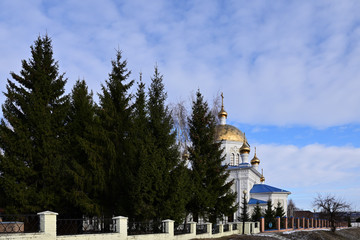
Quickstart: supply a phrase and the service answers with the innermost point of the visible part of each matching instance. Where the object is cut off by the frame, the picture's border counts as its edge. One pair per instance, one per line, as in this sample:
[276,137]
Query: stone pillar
[121,225]
[192,227]
[209,228]
[278,223]
[48,223]
[169,227]
[221,228]
[230,226]
[262,224]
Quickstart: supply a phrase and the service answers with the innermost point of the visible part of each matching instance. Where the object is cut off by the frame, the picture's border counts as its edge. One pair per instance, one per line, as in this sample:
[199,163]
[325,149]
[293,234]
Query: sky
[289,71]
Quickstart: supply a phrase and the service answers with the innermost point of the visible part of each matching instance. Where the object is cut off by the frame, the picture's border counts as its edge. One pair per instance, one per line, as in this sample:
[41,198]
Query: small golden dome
[245,148]
[255,160]
[222,112]
[228,133]
[262,178]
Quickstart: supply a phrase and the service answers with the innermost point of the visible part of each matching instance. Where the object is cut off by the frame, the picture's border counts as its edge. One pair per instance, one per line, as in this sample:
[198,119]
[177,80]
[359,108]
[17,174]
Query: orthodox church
[246,175]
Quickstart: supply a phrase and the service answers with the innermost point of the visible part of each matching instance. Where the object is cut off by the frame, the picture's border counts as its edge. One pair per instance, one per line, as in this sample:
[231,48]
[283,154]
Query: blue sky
[289,71]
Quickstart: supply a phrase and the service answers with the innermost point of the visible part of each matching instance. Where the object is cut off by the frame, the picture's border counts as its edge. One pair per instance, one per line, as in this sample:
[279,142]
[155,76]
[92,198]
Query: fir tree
[141,191]
[84,170]
[279,210]
[115,117]
[168,171]
[212,196]
[257,213]
[32,133]
[269,215]
[244,210]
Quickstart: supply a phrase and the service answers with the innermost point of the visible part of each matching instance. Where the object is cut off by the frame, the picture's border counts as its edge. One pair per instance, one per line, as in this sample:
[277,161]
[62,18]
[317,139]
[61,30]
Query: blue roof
[263,188]
[255,201]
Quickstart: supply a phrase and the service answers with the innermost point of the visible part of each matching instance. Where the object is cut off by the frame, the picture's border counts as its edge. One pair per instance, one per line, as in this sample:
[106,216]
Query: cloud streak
[312,169]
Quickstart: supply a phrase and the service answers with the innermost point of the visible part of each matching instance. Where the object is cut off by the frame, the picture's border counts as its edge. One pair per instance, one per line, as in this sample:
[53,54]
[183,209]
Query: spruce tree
[244,210]
[269,215]
[257,213]
[85,173]
[115,117]
[32,133]
[141,192]
[279,210]
[212,196]
[168,171]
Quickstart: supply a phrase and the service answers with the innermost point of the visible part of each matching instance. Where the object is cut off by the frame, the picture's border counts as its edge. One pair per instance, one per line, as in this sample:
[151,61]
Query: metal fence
[181,229]
[85,226]
[139,228]
[226,227]
[215,229]
[234,226]
[201,228]
[29,223]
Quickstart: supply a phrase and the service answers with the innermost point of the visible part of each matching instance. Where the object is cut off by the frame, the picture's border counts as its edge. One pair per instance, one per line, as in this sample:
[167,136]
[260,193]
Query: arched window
[232,159]
[237,159]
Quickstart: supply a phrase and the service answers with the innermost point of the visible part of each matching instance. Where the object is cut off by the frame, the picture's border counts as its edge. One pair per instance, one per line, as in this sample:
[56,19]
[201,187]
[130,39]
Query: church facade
[245,172]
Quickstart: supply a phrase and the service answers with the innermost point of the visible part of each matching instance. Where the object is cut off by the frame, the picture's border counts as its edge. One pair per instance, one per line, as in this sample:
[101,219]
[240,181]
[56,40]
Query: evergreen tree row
[67,154]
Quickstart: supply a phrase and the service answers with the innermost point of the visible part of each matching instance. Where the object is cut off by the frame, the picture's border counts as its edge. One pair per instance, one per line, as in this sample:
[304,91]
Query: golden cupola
[255,159]
[262,178]
[222,114]
[245,148]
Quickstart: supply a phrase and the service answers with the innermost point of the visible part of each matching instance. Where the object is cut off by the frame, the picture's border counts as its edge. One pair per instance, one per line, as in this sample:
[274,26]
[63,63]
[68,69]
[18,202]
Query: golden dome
[255,160]
[262,178]
[222,112]
[245,148]
[228,133]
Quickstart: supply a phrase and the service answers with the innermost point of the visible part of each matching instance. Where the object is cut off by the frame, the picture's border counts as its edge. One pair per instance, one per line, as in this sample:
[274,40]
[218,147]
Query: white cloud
[312,169]
[277,63]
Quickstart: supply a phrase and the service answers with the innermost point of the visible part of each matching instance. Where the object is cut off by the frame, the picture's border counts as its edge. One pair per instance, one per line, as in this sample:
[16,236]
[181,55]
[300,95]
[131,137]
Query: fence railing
[181,229]
[139,228]
[201,228]
[226,227]
[29,223]
[215,229]
[234,226]
[85,226]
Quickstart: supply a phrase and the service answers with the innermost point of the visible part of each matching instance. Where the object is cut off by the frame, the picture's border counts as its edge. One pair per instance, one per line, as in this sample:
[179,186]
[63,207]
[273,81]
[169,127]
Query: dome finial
[222,114]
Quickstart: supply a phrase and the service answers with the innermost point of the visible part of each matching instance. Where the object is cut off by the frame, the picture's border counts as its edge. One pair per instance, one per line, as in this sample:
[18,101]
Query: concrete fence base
[48,227]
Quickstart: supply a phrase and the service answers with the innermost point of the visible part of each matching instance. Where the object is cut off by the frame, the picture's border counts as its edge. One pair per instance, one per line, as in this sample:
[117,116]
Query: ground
[342,234]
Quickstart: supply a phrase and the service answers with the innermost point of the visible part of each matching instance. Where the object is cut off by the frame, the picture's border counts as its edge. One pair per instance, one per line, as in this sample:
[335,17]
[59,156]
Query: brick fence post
[286,223]
[48,223]
[278,222]
[262,224]
[303,222]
